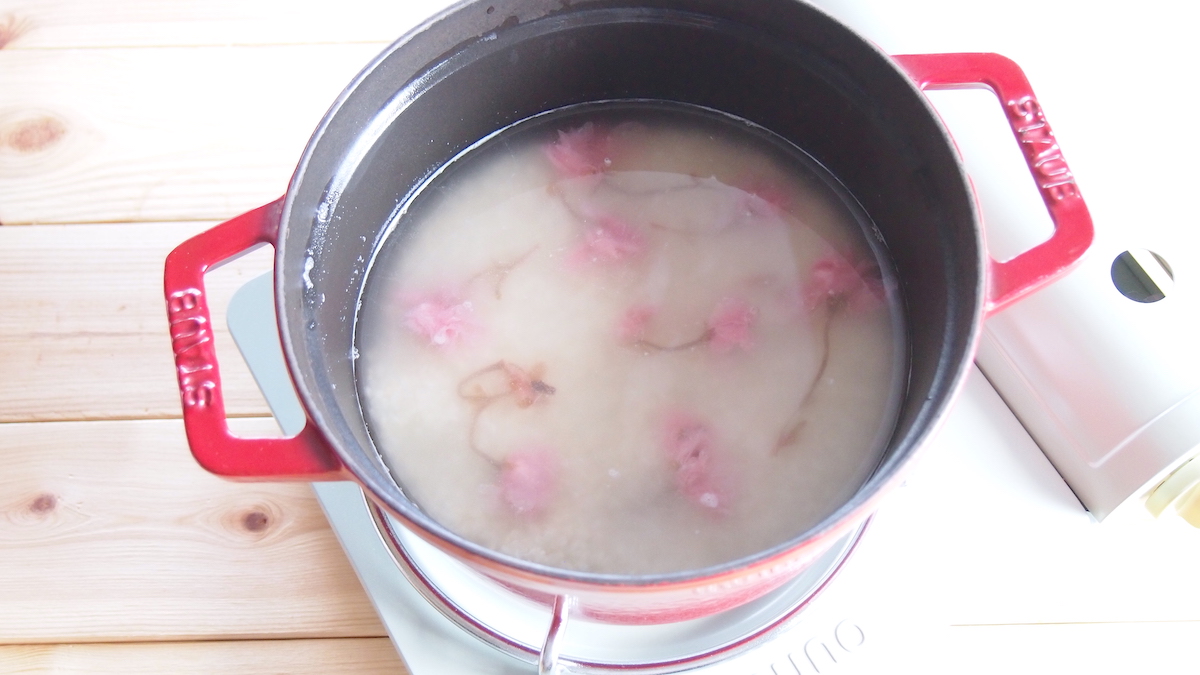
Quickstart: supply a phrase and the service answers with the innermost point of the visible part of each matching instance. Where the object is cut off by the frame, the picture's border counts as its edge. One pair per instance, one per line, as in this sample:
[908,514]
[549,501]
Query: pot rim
[889,472]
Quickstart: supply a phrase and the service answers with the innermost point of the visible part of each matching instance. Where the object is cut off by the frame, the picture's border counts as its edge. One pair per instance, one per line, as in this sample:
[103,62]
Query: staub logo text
[821,655]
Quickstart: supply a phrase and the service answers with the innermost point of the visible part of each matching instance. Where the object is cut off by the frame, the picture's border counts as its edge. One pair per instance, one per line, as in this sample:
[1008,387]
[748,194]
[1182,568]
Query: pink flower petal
[835,278]
[529,480]
[764,199]
[689,446]
[696,482]
[632,326]
[442,318]
[686,439]
[731,326]
[609,241]
[579,152]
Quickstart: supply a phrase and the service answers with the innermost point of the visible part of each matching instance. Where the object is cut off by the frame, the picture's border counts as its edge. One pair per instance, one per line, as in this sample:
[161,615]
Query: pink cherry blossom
[442,317]
[697,482]
[689,445]
[731,326]
[529,480]
[633,324]
[579,152]
[835,279]
[609,241]
[764,199]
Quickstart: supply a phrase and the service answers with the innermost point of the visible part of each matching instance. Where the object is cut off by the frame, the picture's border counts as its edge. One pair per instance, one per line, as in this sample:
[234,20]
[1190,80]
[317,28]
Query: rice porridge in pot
[630,338]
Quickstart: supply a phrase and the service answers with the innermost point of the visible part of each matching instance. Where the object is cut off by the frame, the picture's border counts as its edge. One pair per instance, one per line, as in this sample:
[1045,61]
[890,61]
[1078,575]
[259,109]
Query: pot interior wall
[778,63]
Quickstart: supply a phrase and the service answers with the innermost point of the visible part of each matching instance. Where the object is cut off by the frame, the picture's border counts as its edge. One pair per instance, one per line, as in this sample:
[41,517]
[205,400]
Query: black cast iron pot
[482,66]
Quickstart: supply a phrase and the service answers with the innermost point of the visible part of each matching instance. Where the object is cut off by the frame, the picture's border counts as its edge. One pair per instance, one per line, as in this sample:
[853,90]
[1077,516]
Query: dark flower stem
[792,432]
[831,309]
[481,400]
[471,433]
[500,272]
[647,345]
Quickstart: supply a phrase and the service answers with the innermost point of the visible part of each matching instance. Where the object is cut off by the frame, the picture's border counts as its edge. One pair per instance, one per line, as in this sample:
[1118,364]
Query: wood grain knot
[43,504]
[33,134]
[249,520]
[11,28]
[256,521]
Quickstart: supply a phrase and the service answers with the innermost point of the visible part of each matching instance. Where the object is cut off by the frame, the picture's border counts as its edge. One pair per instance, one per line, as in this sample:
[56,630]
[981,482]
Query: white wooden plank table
[125,127]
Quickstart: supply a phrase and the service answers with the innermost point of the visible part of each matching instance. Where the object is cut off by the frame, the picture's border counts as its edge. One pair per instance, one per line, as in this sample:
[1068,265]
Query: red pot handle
[305,456]
[1012,280]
